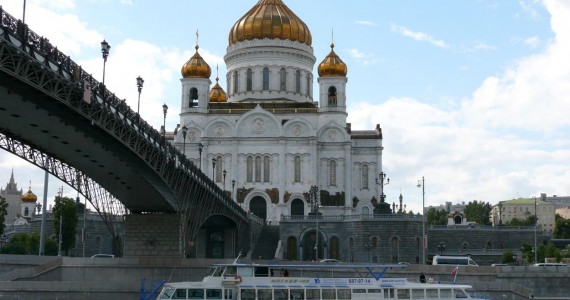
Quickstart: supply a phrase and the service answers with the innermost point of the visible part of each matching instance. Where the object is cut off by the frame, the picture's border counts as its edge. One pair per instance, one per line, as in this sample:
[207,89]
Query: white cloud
[361,57]
[366,23]
[419,36]
[532,42]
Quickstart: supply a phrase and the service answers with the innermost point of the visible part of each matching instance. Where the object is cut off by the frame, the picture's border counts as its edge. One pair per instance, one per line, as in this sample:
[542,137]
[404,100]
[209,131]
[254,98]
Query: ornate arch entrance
[309,245]
[297,207]
[258,207]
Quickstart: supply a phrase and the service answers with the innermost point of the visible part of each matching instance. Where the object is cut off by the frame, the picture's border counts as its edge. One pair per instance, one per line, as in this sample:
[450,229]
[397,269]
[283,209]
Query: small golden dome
[270,19]
[332,66]
[29,197]
[196,67]
[217,93]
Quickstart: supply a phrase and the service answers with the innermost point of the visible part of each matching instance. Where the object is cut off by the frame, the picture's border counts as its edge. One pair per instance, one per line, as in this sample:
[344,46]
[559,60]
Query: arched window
[374,243]
[291,248]
[236,82]
[266,169]
[249,80]
[332,96]
[332,173]
[364,177]
[193,97]
[283,79]
[334,250]
[297,168]
[219,168]
[465,245]
[249,168]
[258,169]
[266,79]
[26,212]
[395,247]
[298,81]
[308,85]
[365,210]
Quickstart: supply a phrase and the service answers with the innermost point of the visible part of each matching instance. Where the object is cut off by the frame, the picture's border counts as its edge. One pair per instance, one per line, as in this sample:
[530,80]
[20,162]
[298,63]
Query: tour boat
[308,281]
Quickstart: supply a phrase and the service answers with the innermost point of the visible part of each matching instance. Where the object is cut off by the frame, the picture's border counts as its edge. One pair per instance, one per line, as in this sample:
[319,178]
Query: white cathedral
[267,141]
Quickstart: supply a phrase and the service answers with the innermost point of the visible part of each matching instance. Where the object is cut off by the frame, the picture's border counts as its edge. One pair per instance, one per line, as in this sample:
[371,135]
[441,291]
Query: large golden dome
[217,93]
[270,19]
[29,197]
[196,67]
[332,66]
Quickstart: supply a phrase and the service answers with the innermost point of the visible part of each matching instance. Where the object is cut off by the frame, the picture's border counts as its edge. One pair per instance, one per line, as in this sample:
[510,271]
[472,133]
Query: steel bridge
[58,117]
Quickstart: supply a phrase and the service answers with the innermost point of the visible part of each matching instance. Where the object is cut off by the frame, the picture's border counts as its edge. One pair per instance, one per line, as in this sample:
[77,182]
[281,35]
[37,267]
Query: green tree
[561,227]
[29,244]
[3,213]
[507,257]
[436,216]
[478,211]
[529,221]
[68,206]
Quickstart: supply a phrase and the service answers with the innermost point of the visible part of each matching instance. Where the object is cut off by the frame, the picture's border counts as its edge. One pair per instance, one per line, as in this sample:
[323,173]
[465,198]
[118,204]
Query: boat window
[417,294]
[228,294]
[297,294]
[195,294]
[230,271]
[375,291]
[167,293]
[313,294]
[343,294]
[179,294]
[460,294]
[431,293]
[281,294]
[264,294]
[245,271]
[445,293]
[403,294]
[329,294]
[248,294]
[213,294]
[359,291]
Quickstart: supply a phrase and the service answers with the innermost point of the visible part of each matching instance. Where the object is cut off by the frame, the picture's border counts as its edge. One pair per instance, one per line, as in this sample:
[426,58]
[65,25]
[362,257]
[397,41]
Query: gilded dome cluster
[332,66]
[196,67]
[29,197]
[270,19]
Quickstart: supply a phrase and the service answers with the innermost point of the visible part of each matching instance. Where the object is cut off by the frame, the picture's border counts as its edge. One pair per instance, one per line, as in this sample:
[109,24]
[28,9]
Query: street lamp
[105,47]
[535,225]
[140,83]
[164,110]
[200,147]
[441,247]
[315,211]
[60,220]
[213,169]
[233,187]
[422,184]
[224,175]
[184,132]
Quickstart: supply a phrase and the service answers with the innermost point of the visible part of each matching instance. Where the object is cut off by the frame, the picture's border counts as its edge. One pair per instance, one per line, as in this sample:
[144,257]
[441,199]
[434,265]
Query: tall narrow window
[332,173]
[266,79]
[298,81]
[249,80]
[283,79]
[26,212]
[332,96]
[365,177]
[297,168]
[249,169]
[219,168]
[193,97]
[236,82]
[308,85]
[258,169]
[334,249]
[266,169]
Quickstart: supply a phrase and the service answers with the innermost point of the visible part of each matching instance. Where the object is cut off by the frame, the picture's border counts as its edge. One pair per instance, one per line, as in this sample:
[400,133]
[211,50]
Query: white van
[453,260]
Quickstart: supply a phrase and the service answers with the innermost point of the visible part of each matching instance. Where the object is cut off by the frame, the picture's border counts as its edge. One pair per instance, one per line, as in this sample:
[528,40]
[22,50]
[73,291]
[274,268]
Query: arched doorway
[258,207]
[297,207]
[309,245]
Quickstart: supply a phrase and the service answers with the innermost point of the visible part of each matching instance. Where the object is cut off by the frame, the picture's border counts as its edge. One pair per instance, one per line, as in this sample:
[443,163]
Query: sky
[472,95]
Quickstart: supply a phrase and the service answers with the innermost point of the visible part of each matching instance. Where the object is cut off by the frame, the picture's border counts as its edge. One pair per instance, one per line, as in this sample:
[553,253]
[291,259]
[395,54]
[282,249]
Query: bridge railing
[98,97]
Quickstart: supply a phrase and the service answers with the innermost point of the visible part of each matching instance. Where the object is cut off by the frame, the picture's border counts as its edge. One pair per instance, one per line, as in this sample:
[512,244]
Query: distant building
[448,207]
[521,209]
[13,197]
[564,212]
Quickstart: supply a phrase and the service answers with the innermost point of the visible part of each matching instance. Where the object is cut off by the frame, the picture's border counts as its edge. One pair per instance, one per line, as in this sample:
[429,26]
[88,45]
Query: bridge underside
[30,117]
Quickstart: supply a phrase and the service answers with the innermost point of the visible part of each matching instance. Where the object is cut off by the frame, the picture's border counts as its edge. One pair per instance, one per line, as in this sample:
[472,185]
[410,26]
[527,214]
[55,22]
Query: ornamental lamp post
[105,47]
[224,175]
[213,169]
[315,211]
[164,111]
[140,83]
[184,132]
[380,182]
[424,238]
[441,247]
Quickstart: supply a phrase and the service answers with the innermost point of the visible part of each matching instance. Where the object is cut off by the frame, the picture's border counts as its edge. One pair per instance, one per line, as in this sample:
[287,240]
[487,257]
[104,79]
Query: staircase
[266,243]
